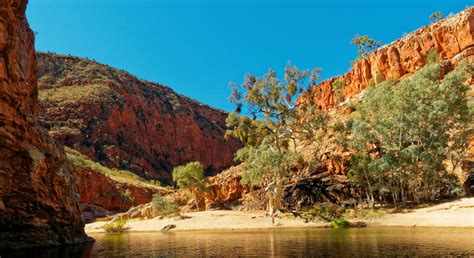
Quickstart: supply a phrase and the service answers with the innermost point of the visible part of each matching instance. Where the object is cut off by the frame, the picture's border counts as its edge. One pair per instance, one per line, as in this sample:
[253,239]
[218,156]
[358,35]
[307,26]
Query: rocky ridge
[451,38]
[123,122]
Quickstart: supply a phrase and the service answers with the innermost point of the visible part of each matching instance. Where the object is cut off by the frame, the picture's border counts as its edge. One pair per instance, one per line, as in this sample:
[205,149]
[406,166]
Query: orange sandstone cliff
[38,197]
[451,38]
[453,41]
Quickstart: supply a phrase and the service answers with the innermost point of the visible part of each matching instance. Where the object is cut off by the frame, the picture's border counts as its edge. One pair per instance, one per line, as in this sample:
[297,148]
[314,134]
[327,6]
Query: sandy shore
[212,220]
[459,213]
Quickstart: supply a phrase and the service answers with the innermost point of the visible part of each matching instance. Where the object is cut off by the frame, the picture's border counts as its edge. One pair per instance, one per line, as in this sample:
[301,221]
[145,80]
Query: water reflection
[82,250]
[307,242]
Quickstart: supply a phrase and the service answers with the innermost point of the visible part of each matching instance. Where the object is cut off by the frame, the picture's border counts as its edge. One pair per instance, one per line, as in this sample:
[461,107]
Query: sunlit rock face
[101,195]
[38,198]
[452,38]
[123,122]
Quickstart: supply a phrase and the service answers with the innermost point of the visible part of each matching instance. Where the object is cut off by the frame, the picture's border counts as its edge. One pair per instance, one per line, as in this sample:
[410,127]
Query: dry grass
[121,176]
[85,94]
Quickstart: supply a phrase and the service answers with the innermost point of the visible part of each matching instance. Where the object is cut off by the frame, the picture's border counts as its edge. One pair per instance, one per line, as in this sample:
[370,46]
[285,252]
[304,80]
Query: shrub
[340,223]
[190,177]
[115,226]
[369,214]
[432,56]
[329,211]
[436,16]
[163,206]
[127,196]
[365,45]
[325,211]
[337,87]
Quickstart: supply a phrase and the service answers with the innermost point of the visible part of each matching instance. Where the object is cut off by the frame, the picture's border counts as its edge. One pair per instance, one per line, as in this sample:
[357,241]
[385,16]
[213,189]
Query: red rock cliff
[99,192]
[124,122]
[452,38]
[38,198]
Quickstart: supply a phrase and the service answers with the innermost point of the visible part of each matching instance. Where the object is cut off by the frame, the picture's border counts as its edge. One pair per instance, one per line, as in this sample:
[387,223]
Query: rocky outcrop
[451,38]
[225,189]
[127,123]
[38,197]
[99,192]
[143,211]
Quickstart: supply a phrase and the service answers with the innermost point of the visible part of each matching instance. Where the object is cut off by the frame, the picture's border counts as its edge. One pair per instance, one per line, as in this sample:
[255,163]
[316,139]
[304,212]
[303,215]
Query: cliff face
[38,198]
[452,38]
[123,122]
[101,195]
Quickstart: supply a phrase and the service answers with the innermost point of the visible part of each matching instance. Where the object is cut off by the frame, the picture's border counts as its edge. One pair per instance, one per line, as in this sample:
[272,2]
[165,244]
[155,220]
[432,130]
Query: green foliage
[340,223]
[117,226]
[365,45]
[325,211]
[272,124]
[436,16]
[378,77]
[337,86]
[264,164]
[432,56]
[361,213]
[329,211]
[127,196]
[189,176]
[411,128]
[271,106]
[162,206]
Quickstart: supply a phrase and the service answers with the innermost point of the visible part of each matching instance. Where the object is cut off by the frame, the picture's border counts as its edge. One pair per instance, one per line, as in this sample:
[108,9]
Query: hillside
[126,123]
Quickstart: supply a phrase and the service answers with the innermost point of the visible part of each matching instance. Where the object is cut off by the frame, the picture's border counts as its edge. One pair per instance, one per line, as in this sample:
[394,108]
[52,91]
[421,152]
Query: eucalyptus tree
[412,128]
[365,45]
[269,126]
[190,177]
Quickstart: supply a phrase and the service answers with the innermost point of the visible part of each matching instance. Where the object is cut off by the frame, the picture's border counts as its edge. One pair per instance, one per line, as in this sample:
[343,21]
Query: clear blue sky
[198,47]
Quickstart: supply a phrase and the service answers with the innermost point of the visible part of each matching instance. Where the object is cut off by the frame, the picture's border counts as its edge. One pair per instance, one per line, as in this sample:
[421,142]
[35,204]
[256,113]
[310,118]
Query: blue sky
[198,47]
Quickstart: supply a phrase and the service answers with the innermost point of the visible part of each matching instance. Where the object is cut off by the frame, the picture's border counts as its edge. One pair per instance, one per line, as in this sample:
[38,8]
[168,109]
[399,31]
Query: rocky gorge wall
[451,38]
[101,195]
[123,122]
[38,197]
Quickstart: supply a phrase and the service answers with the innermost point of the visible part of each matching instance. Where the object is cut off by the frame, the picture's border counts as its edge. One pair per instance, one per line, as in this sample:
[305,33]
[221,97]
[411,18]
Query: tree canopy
[270,125]
[436,16]
[410,129]
[365,45]
[190,177]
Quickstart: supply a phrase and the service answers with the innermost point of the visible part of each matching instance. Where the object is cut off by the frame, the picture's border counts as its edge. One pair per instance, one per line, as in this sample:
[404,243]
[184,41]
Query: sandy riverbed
[459,213]
[212,220]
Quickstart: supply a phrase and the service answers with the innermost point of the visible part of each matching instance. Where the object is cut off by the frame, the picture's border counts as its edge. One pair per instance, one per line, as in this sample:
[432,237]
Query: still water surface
[290,242]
